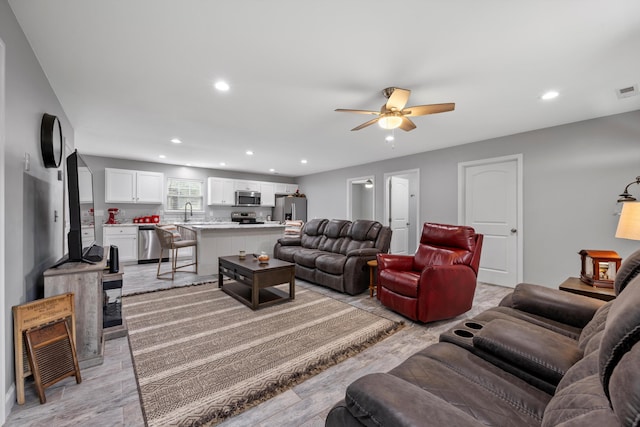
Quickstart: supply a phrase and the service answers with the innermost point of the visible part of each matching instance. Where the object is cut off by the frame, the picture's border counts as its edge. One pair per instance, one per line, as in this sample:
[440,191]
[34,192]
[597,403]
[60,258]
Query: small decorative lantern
[599,268]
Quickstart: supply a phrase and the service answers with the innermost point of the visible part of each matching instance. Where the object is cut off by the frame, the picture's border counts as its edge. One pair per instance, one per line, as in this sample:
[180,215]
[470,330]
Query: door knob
[514,230]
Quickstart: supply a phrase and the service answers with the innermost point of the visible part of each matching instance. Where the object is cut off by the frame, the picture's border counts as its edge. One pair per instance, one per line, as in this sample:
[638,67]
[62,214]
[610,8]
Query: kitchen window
[180,191]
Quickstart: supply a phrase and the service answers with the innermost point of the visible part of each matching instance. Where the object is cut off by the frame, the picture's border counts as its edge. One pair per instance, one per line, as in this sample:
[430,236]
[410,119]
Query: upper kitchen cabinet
[220,191]
[267,194]
[286,188]
[129,186]
[242,185]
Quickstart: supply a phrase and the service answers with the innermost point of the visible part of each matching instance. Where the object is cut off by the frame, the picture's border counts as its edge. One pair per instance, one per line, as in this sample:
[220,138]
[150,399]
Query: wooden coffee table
[253,278]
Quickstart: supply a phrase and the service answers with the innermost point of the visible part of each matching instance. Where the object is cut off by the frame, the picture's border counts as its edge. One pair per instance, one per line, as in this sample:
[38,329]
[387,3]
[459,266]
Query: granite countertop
[202,225]
[232,225]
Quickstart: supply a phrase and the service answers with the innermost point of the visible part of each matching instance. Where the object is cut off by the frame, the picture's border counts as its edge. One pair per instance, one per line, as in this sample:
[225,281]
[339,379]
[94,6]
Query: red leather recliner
[439,281]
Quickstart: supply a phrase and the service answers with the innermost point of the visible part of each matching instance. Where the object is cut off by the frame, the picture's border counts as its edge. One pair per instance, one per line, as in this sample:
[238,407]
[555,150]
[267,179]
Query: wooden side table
[373,264]
[577,286]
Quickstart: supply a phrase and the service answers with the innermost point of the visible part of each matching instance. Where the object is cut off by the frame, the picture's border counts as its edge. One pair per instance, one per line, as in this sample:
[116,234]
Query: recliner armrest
[565,307]
[395,262]
[290,241]
[386,400]
[531,348]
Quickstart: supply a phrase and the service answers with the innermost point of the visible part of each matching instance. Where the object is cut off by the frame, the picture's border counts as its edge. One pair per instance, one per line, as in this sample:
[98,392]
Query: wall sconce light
[626,196]
[368,184]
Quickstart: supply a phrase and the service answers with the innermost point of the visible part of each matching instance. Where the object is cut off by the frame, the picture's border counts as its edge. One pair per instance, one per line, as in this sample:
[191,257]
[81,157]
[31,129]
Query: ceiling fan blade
[346,110]
[364,125]
[407,124]
[398,99]
[423,110]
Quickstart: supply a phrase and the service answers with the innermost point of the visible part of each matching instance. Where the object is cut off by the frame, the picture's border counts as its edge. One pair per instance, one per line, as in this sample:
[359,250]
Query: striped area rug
[200,356]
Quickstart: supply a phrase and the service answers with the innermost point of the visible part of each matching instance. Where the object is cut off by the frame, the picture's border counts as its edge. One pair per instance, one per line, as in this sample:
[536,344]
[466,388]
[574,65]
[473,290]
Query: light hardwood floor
[108,393]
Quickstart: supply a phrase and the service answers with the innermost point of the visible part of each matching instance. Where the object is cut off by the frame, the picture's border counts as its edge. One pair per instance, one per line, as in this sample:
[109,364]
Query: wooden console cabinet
[85,282]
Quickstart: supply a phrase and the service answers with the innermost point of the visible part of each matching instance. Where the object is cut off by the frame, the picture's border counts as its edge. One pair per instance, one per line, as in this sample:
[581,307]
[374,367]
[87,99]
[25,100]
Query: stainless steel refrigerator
[290,208]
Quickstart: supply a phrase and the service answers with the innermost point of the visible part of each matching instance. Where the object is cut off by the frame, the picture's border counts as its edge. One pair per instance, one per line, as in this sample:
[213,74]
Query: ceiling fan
[393,114]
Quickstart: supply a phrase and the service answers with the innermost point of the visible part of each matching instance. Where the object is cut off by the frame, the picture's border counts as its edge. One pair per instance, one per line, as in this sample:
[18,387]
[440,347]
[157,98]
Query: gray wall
[132,210]
[32,239]
[572,177]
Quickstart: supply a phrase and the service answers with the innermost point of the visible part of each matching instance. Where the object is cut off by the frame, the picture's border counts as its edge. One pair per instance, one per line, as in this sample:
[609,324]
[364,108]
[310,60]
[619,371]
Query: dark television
[81,238]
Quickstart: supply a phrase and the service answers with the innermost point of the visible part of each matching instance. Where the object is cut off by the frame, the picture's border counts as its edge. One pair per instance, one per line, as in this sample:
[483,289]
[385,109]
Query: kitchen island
[221,239]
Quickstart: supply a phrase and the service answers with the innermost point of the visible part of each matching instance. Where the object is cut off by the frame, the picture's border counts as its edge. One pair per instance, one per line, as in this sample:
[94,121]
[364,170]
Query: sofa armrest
[290,241]
[395,262]
[385,400]
[535,350]
[366,252]
[554,304]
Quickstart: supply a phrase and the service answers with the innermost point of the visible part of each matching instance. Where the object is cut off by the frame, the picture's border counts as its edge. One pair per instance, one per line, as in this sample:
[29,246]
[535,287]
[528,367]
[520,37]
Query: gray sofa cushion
[331,263]
[312,233]
[307,257]
[334,235]
[629,269]
[580,404]
[621,332]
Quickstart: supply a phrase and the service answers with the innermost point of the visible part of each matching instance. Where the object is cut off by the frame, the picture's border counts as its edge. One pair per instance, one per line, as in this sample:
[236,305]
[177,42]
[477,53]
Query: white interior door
[399,215]
[491,202]
[3,386]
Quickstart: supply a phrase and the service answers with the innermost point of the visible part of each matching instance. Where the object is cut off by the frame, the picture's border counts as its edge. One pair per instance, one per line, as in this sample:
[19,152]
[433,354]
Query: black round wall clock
[51,141]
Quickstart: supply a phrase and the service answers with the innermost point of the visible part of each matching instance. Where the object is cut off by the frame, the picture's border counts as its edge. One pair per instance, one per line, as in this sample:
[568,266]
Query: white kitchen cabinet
[149,187]
[130,186]
[125,238]
[243,185]
[286,188]
[267,194]
[220,191]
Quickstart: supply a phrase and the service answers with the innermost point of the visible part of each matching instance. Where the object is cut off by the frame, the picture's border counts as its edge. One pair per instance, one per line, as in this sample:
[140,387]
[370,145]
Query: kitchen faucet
[185,211]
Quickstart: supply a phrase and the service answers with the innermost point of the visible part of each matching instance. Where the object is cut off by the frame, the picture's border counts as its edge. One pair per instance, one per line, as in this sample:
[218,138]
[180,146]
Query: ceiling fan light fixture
[390,122]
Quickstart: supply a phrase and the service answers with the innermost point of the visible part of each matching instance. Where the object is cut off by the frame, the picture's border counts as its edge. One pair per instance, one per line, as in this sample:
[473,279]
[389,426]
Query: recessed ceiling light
[221,86]
[303,161]
[389,138]
[188,164]
[272,170]
[176,141]
[249,153]
[550,95]
[162,156]
[223,164]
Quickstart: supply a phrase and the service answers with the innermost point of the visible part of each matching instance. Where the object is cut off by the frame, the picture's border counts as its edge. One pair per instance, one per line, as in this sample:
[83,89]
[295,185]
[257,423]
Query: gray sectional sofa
[544,358]
[334,253]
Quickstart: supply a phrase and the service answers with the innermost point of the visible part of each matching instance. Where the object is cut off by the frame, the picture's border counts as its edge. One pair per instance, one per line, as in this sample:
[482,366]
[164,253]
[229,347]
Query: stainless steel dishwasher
[149,245]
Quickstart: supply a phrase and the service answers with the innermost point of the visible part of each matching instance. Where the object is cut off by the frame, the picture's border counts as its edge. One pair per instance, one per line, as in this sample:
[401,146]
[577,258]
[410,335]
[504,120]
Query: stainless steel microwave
[247,198]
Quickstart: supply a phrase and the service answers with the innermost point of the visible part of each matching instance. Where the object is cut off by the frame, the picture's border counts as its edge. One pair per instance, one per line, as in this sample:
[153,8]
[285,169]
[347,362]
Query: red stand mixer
[112,216]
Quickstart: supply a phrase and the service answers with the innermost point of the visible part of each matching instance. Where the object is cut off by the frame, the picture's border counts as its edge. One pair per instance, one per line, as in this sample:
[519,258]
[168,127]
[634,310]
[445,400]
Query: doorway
[402,210]
[490,198]
[361,198]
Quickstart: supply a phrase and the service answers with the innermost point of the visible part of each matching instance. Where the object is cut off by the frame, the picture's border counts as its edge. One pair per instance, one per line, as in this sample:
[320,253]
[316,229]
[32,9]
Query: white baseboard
[9,401]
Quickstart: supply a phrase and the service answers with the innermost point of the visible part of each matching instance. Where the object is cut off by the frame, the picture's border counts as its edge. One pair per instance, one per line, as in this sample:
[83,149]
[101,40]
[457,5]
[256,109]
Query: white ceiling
[133,74]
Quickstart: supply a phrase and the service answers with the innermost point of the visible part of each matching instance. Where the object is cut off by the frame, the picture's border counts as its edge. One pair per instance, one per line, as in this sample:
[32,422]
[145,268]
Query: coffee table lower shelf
[242,293]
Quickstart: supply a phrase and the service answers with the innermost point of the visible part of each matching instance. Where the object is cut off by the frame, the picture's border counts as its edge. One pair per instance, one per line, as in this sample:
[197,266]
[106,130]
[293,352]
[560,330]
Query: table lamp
[629,222]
